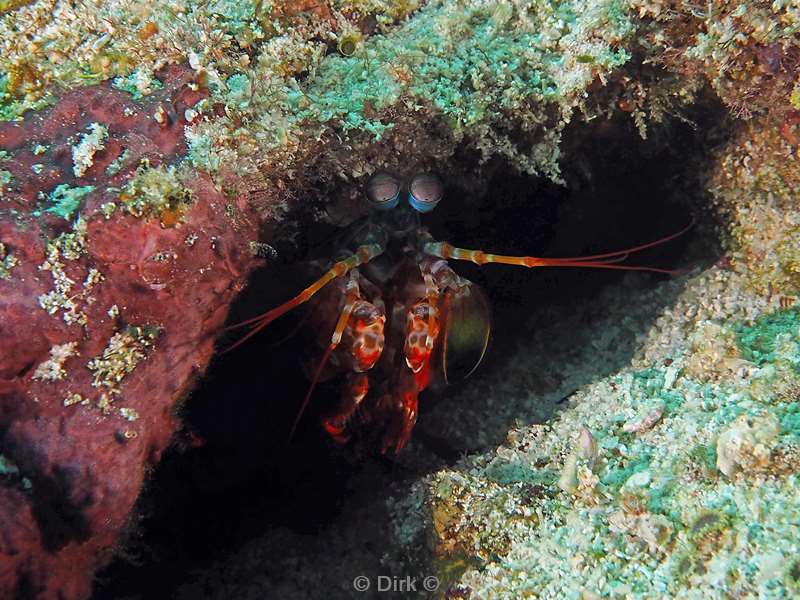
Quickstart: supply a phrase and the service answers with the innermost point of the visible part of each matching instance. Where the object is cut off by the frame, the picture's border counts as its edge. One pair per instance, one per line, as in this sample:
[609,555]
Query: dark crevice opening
[235,476]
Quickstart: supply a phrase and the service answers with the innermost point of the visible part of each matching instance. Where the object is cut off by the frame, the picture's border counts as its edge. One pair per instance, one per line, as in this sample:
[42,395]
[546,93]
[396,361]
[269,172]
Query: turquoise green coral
[66,200]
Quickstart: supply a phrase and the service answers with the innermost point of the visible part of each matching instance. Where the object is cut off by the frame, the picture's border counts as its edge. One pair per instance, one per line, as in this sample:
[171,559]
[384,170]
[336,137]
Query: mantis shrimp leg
[354,392]
[352,294]
[361,324]
[400,406]
[363,255]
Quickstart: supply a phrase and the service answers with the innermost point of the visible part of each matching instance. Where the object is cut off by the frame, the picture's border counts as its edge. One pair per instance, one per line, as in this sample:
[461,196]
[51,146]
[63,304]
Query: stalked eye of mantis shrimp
[395,316]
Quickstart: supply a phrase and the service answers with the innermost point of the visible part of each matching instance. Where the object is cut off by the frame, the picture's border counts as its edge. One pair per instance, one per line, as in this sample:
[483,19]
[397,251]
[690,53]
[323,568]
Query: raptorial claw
[365,335]
[467,325]
[353,395]
[402,408]
[422,330]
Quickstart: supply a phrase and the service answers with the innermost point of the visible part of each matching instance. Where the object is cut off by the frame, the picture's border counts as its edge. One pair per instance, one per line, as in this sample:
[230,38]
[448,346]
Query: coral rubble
[701,503]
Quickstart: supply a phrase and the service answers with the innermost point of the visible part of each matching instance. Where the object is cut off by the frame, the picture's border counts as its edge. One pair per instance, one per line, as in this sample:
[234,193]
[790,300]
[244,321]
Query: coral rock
[105,325]
[747,444]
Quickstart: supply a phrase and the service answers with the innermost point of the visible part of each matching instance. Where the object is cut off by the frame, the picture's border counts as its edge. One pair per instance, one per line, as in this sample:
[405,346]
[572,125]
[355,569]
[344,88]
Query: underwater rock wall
[676,476]
[108,311]
[370,82]
[147,143]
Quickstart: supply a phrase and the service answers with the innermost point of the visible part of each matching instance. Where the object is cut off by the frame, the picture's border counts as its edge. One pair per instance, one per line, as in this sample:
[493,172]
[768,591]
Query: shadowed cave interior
[232,476]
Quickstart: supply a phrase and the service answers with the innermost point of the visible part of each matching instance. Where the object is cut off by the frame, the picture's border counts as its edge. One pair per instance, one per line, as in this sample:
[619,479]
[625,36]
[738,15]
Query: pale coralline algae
[472,65]
[747,51]
[754,183]
[83,152]
[747,444]
[7,262]
[68,246]
[53,368]
[503,77]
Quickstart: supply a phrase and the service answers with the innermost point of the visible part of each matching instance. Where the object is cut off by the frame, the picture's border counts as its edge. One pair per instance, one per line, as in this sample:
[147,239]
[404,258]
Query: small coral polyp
[125,350]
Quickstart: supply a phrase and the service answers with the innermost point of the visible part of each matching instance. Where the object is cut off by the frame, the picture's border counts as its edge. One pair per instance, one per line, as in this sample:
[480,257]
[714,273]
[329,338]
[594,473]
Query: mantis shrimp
[399,316]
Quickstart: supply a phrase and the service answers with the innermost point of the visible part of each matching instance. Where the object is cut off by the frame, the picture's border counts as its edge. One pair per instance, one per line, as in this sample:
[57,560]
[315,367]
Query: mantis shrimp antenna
[606,260]
[363,255]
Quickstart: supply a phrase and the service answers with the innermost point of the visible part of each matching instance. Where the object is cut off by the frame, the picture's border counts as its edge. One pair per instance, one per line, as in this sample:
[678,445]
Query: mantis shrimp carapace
[395,316]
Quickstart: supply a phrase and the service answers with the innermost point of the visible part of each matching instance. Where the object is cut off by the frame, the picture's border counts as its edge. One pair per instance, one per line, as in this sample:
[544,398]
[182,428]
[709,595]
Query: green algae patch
[759,342]
[65,201]
[790,420]
[508,473]
[240,91]
[616,478]
[138,84]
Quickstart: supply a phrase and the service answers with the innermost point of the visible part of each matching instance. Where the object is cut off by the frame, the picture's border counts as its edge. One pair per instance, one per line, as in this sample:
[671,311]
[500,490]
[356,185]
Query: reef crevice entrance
[234,486]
